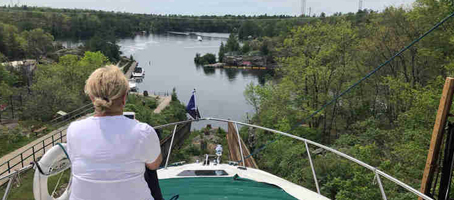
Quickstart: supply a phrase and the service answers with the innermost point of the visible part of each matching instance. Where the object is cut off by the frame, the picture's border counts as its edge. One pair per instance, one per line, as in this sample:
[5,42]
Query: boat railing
[378,173]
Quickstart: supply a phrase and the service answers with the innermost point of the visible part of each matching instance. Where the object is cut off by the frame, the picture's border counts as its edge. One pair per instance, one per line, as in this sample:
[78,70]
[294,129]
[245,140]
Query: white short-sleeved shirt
[108,156]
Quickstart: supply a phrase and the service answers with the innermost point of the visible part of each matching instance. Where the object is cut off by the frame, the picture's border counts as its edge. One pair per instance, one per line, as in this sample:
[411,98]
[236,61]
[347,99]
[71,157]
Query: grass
[8,147]
[25,189]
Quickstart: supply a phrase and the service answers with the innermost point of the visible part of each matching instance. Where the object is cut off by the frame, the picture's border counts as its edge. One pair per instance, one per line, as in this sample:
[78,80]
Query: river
[168,61]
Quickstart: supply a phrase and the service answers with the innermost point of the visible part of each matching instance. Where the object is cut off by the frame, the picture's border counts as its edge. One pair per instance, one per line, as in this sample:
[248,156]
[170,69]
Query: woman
[108,151]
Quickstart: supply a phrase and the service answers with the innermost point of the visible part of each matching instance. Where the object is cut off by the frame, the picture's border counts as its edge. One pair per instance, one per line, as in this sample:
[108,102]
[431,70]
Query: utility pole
[303,8]
[360,5]
[437,136]
[310,10]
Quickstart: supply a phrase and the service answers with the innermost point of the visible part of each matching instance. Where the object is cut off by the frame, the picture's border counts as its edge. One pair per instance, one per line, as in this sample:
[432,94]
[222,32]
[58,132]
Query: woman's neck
[116,113]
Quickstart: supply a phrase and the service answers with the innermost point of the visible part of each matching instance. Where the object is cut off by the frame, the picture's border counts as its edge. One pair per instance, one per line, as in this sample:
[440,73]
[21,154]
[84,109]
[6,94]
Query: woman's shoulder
[144,128]
[79,123]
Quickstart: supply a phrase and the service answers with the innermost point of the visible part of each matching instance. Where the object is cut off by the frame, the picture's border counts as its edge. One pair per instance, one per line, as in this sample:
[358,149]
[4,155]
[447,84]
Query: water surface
[168,61]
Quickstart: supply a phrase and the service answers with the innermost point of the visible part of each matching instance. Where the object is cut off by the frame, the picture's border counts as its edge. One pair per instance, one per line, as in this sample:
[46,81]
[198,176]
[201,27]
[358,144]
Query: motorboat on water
[133,85]
[138,72]
[199,38]
[211,178]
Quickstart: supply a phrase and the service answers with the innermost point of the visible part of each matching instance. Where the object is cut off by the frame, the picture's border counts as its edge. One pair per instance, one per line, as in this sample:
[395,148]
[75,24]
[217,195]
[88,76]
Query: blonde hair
[105,86]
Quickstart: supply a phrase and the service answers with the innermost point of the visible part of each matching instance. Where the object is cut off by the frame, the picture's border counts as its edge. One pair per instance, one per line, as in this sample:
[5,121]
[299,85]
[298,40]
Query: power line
[355,84]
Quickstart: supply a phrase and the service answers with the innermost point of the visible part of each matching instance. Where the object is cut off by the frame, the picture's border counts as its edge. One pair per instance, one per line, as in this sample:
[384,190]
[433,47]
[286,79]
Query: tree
[60,86]
[232,44]
[252,96]
[246,48]
[249,28]
[221,52]
[106,44]
[37,43]
[7,80]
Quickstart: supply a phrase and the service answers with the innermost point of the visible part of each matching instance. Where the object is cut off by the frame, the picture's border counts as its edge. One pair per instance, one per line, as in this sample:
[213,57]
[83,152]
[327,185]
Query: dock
[222,65]
[132,67]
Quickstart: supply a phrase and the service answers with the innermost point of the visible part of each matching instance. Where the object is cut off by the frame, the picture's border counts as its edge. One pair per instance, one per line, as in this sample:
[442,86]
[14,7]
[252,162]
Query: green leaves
[37,43]
[60,86]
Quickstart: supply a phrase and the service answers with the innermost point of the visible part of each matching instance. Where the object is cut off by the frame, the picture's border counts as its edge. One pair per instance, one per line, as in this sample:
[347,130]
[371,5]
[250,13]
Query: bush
[208,58]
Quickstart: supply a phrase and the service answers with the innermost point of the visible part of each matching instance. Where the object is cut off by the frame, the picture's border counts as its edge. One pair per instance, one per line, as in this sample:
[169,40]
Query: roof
[221,188]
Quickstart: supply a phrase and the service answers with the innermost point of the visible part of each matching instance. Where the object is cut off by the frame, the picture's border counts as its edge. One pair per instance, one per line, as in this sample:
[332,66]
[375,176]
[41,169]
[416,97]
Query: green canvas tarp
[217,188]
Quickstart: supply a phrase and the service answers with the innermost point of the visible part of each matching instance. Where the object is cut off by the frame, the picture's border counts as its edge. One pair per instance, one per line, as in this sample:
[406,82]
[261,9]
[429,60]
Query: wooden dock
[222,65]
[235,154]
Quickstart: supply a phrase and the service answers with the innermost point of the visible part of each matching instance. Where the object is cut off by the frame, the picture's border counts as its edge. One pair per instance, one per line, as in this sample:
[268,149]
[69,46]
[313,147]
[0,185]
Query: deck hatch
[203,173]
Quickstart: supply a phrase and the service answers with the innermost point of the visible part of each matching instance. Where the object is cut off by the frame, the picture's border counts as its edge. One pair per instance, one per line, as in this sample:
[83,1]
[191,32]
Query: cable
[357,83]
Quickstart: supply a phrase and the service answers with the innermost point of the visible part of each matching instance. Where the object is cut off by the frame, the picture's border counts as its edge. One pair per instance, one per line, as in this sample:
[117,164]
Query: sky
[217,7]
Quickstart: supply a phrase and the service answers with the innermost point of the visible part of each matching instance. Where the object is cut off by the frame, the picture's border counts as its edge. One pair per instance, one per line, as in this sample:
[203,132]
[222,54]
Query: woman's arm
[155,164]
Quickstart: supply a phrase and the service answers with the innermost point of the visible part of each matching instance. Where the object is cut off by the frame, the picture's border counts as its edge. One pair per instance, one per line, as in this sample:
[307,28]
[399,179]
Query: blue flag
[191,108]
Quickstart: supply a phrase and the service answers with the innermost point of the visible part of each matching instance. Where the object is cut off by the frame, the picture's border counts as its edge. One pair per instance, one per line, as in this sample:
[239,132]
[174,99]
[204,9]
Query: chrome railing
[378,173]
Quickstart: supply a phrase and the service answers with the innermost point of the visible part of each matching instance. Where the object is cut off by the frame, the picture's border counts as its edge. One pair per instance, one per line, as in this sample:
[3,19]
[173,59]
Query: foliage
[208,58]
[385,122]
[174,94]
[245,48]
[14,138]
[221,52]
[37,43]
[233,44]
[84,24]
[144,107]
[7,80]
[106,44]
[60,86]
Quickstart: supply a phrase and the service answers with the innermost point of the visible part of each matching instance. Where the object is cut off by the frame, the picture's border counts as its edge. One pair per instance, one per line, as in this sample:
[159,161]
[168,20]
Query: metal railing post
[8,188]
[170,148]
[239,143]
[44,148]
[312,167]
[380,185]
[61,137]
[53,141]
[9,168]
[22,159]
[33,152]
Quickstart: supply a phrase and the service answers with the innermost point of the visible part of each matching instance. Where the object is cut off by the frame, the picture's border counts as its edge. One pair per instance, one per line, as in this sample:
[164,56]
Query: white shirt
[108,156]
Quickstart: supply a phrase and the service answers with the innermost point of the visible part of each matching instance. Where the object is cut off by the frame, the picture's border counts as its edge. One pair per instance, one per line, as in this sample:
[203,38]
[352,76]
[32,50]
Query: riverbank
[223,65]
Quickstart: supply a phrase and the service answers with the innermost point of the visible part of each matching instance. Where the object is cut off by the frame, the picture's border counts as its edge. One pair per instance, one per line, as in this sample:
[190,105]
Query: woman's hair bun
[105,85]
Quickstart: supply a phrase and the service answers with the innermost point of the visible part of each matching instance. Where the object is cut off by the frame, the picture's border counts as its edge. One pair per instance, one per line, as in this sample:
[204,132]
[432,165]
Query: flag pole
[195,102]
[195,97]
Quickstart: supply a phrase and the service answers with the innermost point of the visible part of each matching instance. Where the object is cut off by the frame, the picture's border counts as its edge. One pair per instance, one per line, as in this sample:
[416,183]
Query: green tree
[7,80]
[252,96]
[37,43]
[221,52]
[106,44]
[60,86]
[246,48]
[232,44]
